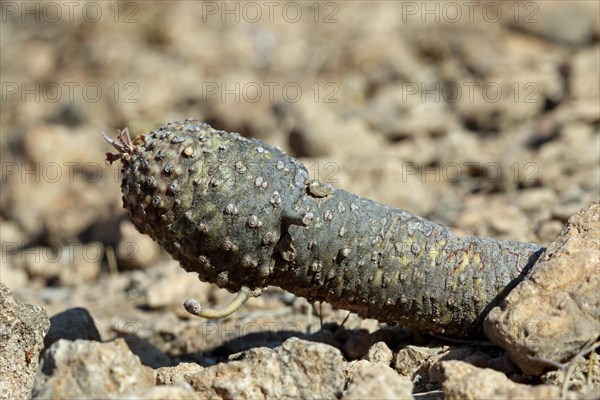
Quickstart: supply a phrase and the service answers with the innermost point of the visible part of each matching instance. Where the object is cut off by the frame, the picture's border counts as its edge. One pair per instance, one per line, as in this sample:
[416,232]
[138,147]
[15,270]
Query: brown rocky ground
[486,121]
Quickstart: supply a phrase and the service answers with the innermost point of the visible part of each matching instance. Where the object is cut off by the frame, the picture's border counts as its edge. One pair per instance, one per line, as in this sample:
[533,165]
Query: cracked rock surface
[556,310]
[22,330]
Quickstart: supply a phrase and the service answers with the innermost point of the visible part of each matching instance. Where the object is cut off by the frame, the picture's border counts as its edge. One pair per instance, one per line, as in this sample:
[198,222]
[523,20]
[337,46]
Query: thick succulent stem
[242,213]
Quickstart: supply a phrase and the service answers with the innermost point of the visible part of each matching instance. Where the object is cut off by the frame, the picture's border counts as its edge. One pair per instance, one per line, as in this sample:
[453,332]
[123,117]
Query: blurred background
[483,116]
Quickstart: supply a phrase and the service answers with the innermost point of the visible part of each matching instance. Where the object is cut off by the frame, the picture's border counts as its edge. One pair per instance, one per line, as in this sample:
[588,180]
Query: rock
[166,324]
[22,330]
[549,230]
[41,263]
[555,311]
[68,265]
[564,211]
[575,24]
[13,275]
[401,110]
[296,369]
[497,95]
[248,118]
[492,106]
[378,65]
[380,353]
[410,358]
[318,131]
[585,374]
[39,59]
[585,74]
[503,364]
[149,354]
[507,222]
[359,344]
[407,185]
[135,250]
[48,144]
[421,363]
[177,374]
[377,381]
[66,166]
[433,364]
[12,236]
[464,381]
[536,199]
[570,173]
[493,218]
[478,359]
[72,324]
[160,293]
[179,392]
[90,369]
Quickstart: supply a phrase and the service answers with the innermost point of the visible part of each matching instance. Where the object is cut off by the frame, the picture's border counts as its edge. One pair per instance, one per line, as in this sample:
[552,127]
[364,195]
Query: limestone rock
[74,323]
[377,381]
[179,392]
[135,251]
[296,369]
[84,369]
[574,25]
[177,374]
[585,80]
[556,310]
[380,353]
[464,381]
[410,358]
[22,330]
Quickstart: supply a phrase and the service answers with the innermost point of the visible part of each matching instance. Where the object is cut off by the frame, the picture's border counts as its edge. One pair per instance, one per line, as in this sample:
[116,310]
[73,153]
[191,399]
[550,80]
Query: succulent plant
[245,215]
